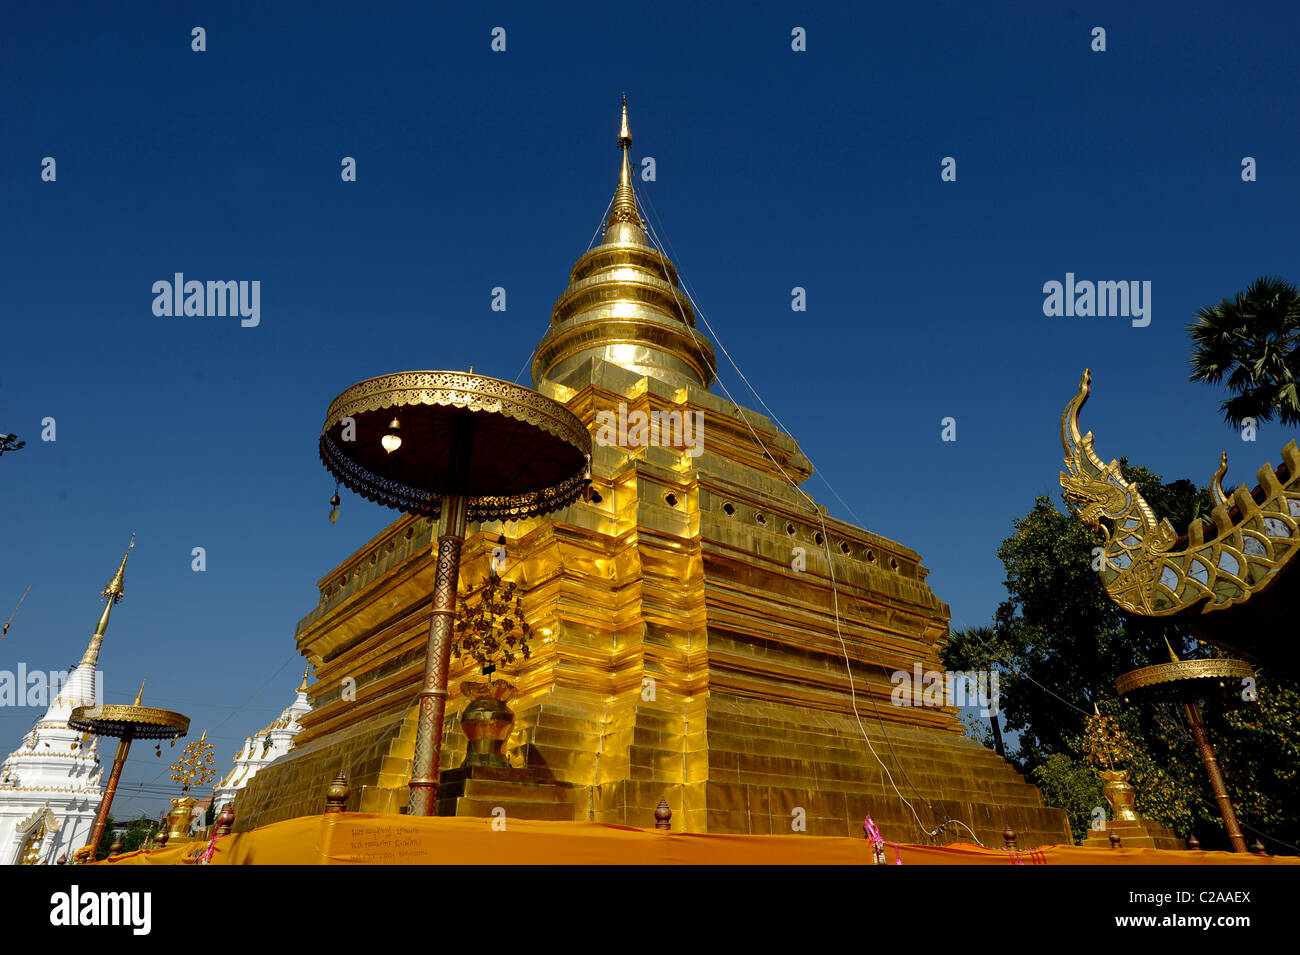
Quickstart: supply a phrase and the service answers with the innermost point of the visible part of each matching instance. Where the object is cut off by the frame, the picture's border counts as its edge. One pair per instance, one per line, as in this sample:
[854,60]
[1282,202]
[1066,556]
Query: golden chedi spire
[114,592]
[623,304]
[624,208]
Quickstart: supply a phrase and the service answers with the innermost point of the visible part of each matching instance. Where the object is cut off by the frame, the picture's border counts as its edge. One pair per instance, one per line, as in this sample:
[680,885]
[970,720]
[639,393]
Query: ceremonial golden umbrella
[1187,682]
[126,723]
[460,447]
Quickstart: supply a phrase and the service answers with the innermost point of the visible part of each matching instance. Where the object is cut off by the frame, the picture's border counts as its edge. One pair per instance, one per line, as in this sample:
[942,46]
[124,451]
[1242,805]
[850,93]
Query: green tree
[137,830]
[1070,784]
[1252,341]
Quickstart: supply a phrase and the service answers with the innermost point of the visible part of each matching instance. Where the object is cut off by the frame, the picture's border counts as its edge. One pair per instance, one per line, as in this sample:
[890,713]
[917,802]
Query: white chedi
[50,785]
[263,748]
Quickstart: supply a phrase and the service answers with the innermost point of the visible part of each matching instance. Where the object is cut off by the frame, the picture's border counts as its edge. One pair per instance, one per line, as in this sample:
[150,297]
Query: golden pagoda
[692,617]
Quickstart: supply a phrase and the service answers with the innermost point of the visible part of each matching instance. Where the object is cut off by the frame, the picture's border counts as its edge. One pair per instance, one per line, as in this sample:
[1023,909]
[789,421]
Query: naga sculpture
[1148,568]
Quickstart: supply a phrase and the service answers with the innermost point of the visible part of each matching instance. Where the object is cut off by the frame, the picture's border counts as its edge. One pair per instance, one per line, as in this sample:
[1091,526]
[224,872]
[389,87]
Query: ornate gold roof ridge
[1256,536]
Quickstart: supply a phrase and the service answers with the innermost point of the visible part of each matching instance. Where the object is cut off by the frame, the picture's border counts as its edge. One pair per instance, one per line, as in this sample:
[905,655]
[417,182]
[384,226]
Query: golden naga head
[1087,482]
[1100,489]
[1095,499]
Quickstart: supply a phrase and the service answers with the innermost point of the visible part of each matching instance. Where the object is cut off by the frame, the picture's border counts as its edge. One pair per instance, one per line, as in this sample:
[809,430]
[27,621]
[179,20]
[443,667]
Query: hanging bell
[392,440]
[335,501]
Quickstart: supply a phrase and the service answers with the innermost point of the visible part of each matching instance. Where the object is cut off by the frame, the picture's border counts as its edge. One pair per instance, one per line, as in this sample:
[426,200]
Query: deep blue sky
[479,169]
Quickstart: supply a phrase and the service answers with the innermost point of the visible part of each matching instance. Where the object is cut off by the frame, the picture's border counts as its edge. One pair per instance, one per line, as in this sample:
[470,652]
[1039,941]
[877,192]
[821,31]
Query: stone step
[483,808]
[1145,834]
[498,790]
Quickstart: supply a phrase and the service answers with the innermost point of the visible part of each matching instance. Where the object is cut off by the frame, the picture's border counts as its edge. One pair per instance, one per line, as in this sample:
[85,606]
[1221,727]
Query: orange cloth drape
[366,839]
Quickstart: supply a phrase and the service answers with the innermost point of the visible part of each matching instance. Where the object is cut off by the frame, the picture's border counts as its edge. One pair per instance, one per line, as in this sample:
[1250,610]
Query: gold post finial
[114,592]
[1172,656]
[302,687]
[625,208]
[140,696]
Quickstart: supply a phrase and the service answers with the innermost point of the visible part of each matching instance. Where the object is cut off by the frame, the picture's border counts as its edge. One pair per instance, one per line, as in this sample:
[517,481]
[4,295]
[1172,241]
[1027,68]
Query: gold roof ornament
[1150,570]
[623,304]
[116,589]
[196,765]
[624,208]
[113,593]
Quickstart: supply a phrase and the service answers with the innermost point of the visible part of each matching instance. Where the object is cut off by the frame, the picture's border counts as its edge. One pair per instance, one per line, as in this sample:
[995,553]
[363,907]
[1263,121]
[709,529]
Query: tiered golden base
[1143,834]
[503,794]
[724,765]
[697,622]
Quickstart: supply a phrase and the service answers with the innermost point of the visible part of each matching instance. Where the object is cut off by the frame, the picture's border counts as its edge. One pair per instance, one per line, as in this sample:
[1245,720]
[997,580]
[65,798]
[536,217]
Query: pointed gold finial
[113,593]
[302,687]
[115,589]
[624,132]
[140,696]
[625,208]
[1095,711]
[1173,657]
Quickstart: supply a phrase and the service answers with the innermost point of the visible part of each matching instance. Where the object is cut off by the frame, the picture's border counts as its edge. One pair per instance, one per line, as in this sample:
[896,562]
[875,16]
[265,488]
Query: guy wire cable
[825,536]
[229,716]
[529,356]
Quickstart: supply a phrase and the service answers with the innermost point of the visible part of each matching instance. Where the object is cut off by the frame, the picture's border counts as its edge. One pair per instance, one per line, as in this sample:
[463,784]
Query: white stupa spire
[50,786]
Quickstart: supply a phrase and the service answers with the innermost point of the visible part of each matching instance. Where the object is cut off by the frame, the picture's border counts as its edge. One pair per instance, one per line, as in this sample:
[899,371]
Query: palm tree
[1252,340]
[966,647]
